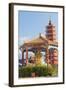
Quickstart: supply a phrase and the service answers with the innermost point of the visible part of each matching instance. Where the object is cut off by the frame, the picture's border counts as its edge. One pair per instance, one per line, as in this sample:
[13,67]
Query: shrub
[40,71]
[25,72]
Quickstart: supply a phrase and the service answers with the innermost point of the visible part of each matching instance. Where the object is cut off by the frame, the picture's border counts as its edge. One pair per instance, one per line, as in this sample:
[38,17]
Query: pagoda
[51,35]
[50,31]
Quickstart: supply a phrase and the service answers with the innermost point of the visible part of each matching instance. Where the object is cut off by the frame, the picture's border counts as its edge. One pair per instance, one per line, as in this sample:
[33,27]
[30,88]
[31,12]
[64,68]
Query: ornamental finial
[49,20]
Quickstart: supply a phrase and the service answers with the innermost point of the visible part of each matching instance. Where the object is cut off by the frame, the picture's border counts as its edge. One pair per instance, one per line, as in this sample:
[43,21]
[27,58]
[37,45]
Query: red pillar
[47,55]
[22,57]
[26,55]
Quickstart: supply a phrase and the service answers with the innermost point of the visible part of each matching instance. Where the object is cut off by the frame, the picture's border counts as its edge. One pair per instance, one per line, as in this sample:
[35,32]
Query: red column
[22,57]
[47,55]
[26,55]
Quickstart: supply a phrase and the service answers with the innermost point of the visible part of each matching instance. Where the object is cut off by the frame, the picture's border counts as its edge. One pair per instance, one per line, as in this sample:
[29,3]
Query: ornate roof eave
[44,42]
[33,45]
[39,45]
[53,43]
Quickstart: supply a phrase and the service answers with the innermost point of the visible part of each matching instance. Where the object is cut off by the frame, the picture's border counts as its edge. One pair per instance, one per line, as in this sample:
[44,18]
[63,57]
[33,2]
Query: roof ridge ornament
[50,20]
[40,35]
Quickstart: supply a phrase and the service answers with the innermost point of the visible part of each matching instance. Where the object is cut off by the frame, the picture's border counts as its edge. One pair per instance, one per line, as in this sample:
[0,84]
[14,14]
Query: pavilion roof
[41,40]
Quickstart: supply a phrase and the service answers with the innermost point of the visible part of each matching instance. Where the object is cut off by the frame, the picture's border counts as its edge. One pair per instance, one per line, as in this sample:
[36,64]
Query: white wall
[4,44]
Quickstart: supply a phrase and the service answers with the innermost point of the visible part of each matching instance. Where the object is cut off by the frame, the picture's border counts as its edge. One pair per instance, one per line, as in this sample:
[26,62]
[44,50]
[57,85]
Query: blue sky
[31,23]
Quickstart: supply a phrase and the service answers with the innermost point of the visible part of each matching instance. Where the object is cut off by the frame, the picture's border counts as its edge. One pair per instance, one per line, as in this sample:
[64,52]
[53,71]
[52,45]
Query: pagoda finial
[49,20]
[39,34]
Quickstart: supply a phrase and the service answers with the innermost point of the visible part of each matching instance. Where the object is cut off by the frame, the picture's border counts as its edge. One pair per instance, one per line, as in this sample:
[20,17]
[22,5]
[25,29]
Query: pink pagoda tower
[51,35]
[50,31]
